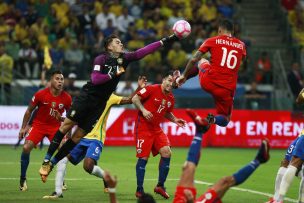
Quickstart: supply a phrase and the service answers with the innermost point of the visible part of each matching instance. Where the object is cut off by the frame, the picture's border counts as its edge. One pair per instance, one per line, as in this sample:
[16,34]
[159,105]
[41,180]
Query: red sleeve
[145,92]
[36,99]
[206,46]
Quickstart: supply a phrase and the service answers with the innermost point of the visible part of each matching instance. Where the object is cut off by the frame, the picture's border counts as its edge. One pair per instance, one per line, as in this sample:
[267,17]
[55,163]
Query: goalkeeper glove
[169,39]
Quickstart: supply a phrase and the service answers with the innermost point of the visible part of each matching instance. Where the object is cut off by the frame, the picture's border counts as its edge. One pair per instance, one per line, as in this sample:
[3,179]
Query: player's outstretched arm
[178,121]
[150,48]
[141,82]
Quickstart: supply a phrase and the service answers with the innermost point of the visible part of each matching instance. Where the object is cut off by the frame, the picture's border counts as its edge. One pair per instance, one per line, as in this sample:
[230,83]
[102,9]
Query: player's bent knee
[165,152]
[28,146]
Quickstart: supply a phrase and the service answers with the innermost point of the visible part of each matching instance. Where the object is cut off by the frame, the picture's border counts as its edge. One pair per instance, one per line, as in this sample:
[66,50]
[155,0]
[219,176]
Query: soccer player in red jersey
[185,190]
[154,103]
[219,76]
[51,103]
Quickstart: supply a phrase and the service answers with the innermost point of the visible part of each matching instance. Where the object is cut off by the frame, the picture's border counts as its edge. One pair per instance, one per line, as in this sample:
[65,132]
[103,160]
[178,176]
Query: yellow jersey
[99,130]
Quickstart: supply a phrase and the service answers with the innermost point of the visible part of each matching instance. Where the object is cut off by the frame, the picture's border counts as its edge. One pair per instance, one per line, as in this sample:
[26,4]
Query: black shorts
[86,110]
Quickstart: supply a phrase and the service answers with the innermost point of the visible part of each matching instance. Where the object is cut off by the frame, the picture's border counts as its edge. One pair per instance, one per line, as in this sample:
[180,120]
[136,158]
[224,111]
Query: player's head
[146,198]
[113,44]
[225,27]
[57,80]
[167,81]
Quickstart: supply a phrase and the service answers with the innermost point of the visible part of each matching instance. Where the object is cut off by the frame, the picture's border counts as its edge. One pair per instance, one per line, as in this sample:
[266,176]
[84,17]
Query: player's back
[226,57]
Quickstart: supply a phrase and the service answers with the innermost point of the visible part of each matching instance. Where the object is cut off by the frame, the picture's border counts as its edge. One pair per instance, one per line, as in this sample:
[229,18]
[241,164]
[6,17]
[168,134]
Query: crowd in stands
[74,31]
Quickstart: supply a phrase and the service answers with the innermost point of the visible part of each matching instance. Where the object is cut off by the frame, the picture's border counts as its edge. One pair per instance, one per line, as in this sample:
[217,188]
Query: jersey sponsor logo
[139,151]
[97,67]
[53,104]
[61,106]
[169,104]
[119,61]
[142,91]
[163,102]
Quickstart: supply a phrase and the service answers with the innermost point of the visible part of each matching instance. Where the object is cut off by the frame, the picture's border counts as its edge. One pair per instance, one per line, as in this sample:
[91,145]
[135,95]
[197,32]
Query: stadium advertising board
[244,130]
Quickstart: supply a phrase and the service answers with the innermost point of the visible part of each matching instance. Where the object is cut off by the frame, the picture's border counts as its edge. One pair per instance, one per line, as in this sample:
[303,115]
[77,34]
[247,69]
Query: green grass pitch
[82,187]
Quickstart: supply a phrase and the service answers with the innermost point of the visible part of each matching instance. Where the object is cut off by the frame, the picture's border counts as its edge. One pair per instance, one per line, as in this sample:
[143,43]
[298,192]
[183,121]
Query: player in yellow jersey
[90,147]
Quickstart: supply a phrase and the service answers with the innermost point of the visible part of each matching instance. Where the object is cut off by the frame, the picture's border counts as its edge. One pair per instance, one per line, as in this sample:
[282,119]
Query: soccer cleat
[23,185]
[161,191]
[263,153]
[64,186]
[202,125]
[45,169]
[271,200]
[138,194]
[54,195]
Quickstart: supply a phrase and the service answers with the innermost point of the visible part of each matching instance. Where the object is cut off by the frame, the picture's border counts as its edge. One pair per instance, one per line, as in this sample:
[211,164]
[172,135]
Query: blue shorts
[86,148]
[299,148]
[290,149]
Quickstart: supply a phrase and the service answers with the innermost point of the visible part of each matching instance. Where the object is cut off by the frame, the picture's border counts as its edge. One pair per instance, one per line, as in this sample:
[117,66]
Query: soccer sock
[286,181]
[245,172]
[221,120]
[301,191]
[25,160]
[278,181]
[54,145]
[63,151]
[61,168]
[140,173]
[163,169]
[195,149]
[97,171]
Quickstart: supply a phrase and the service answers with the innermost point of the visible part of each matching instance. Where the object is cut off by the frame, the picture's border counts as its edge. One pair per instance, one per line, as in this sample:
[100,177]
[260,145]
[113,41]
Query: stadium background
[73,30]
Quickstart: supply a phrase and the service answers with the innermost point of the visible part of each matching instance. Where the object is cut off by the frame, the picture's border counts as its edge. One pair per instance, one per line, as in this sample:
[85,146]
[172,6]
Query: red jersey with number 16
[226,56]
[47,104]
[155,101]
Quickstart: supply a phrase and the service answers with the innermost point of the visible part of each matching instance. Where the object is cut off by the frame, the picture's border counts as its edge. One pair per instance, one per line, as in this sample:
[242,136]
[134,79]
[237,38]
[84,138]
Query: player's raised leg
[186,182]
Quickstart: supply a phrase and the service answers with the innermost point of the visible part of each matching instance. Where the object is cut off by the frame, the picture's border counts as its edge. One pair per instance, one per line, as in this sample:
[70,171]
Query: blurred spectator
[263,69]
[28,60]
[295,79]
[86,21]
[225,7]
[73,58]
[115,7]
[136,9]
[208,11]
[3,7]
[103,17]
[6,75]
[38,26]
[21,30]
[109,30]
[151,64]
[124,20]
[289,5]
[174,18]
[146,32]
[31,15]
[61,9]
[69,84]
[12,49]
[65,42]
[57,55]
[4,31]
[254,98]
[177,57]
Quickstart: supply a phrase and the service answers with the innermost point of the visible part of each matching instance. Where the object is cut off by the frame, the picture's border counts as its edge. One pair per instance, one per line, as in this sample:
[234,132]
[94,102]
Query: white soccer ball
[181,28]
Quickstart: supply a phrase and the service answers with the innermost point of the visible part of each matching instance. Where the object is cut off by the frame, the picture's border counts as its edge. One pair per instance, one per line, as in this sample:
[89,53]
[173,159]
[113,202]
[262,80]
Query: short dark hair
[108,40]
[146,198]
[227,25]
[168,73]
[54,72]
